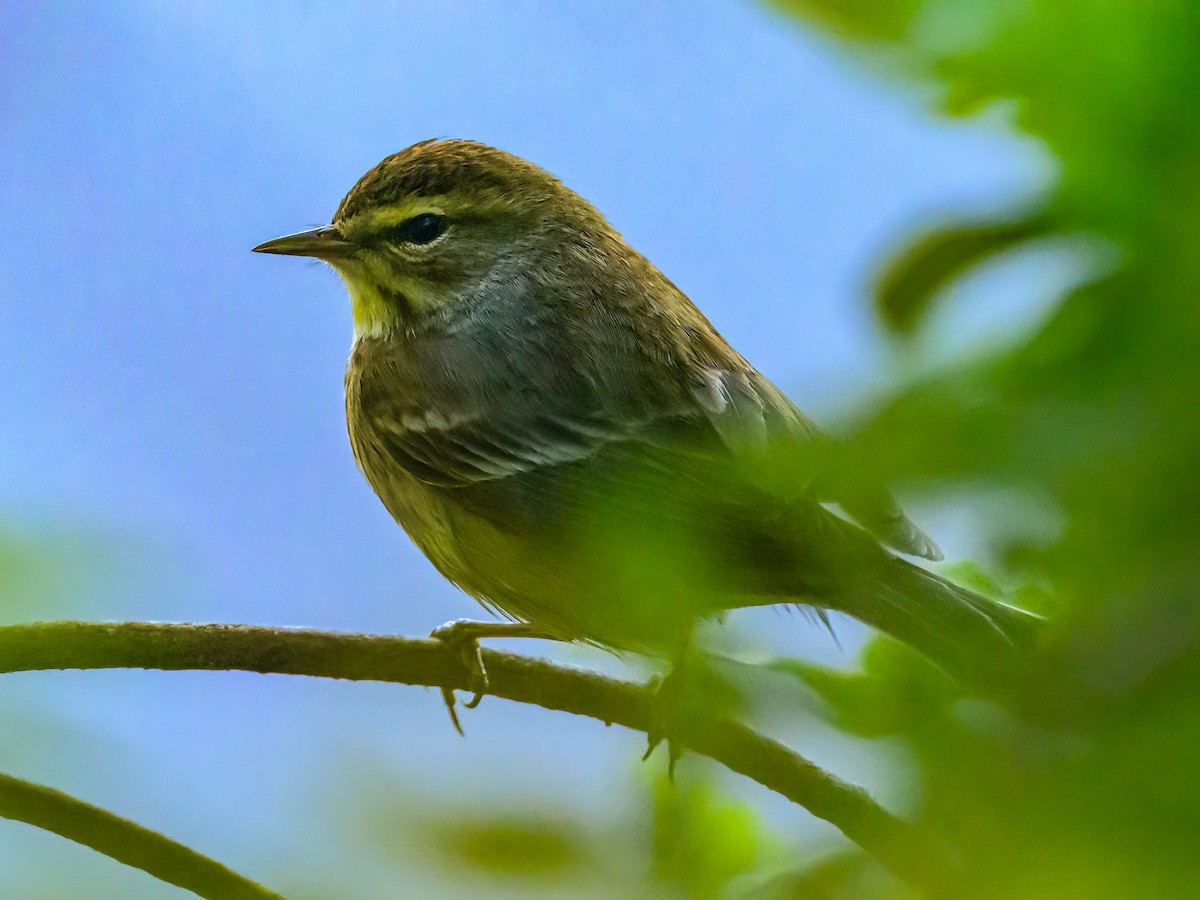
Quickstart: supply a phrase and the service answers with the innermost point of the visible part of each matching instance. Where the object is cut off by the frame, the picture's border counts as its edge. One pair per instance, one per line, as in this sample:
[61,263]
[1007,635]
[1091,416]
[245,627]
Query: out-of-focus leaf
[971,574]
[1079,786]
[701,840]
[847,876]
[44,568]
[896,688]
[511,845]
[912,281]
[871,19]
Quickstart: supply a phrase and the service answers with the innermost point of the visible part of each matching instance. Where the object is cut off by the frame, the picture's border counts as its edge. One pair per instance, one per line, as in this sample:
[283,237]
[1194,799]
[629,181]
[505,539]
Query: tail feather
[971,636]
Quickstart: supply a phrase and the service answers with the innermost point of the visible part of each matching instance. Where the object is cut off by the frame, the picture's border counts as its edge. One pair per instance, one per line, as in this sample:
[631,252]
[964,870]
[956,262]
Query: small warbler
[571,442]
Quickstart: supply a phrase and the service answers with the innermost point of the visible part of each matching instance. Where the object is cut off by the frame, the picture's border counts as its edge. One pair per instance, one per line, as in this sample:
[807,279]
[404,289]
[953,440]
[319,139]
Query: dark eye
[422,229]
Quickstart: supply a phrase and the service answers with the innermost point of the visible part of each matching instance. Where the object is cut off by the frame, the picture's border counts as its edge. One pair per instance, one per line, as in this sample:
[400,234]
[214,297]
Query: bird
[571,442]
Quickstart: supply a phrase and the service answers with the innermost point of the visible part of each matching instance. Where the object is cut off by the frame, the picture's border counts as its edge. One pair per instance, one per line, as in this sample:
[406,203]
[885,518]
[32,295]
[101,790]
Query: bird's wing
[545,454]
[754,417]
[490,446]
[548,457]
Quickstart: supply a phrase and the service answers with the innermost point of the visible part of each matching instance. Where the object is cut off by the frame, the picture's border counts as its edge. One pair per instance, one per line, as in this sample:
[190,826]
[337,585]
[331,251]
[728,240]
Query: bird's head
[432,225]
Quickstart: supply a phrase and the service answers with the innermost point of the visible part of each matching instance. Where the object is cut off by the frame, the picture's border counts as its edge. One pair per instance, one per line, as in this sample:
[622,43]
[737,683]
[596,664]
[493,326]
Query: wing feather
[537,458]
[753,416]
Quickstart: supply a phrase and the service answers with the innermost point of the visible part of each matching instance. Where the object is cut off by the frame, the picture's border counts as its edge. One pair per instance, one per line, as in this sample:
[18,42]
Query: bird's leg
[462,636]
[692,695]
[669,699]
[659,730]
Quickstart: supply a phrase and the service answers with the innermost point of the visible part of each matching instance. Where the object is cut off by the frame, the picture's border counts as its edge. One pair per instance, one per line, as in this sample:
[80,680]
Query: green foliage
[912,283]
[846,876]
[701,840]
[39,566]
[523,845]
[896,691]
[681,838]
[1081,786]
[858,18]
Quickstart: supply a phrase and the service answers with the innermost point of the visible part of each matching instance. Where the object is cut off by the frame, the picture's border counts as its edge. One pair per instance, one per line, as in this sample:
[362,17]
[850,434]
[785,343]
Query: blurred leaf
[40,567]
[701,840]
[971,574]
[913,279]
[514,845]
[1080,786]
[873,19]
[896,688]
[847,876]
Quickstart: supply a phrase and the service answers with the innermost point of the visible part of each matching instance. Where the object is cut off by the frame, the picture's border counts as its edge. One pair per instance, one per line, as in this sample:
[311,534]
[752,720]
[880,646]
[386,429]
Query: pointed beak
[325,243]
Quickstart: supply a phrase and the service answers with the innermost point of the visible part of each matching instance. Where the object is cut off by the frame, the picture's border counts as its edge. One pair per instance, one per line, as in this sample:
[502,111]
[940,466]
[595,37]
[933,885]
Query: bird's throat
[378,313]
[378,310]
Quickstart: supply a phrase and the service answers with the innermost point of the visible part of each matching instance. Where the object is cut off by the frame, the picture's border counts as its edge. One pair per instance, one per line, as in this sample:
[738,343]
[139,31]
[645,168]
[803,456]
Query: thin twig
[124,841]
[81,645]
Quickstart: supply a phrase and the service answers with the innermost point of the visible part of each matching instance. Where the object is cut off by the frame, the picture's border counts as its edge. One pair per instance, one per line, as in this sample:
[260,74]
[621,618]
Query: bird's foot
[462,636]
[689,698]
[662,708]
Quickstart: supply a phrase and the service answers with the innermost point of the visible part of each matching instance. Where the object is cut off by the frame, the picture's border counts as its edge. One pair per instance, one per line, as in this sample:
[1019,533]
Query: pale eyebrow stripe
[387,216]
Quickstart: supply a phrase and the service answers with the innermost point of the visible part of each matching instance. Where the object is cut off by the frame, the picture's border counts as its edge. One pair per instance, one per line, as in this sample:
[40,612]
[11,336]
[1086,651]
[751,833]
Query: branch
[82,645]
[124,841]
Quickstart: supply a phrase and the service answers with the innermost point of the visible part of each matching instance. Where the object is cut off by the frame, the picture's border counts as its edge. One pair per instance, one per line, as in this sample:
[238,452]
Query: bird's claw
[449,700]
[463,639]
[659,729]
[462,636]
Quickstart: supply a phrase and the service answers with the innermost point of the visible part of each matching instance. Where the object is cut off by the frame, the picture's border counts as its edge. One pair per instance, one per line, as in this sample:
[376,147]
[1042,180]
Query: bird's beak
[325,242]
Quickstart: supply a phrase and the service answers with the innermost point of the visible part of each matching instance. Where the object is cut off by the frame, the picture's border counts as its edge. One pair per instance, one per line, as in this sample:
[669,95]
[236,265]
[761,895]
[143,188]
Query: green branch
[80,645]
[124,841]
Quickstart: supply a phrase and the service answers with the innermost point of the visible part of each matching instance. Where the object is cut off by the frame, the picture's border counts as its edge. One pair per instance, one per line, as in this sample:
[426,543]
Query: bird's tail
[971,636]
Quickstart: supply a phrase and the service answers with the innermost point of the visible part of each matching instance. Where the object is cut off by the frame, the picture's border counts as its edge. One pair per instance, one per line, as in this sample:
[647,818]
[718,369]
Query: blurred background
[942,235]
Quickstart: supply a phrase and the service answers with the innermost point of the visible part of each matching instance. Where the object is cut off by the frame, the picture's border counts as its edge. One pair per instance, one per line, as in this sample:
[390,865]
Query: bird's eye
[422,229]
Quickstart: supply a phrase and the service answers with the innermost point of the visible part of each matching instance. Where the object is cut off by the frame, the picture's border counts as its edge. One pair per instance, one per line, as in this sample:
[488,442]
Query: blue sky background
[171,404]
